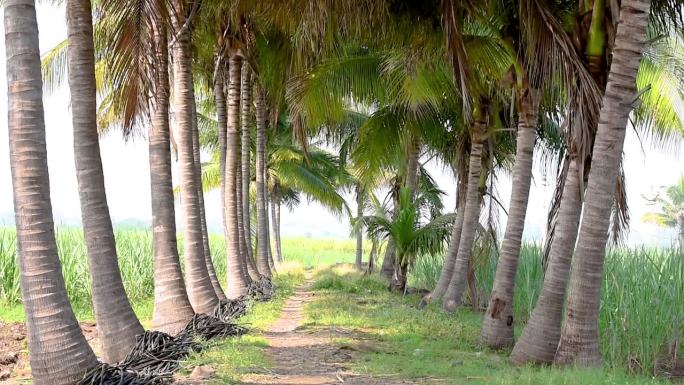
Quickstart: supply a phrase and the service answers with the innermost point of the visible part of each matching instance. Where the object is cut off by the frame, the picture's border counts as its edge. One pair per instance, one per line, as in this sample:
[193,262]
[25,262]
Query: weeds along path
[308,356]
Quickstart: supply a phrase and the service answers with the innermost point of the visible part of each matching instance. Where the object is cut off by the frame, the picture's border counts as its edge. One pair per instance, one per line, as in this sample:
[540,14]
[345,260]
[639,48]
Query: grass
[429,343]
[642,304]
[234,356]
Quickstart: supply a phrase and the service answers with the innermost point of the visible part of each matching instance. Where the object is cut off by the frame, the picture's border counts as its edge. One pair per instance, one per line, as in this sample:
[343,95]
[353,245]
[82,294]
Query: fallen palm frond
[105,374]
[231,309]
[261,289]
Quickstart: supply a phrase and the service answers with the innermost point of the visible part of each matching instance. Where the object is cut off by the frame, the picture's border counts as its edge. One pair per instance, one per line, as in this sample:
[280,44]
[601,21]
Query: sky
[127,177]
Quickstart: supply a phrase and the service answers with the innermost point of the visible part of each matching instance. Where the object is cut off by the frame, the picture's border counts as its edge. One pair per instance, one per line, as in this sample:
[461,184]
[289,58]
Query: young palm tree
[116,321]
[412,238]
[579,343]
[59,353]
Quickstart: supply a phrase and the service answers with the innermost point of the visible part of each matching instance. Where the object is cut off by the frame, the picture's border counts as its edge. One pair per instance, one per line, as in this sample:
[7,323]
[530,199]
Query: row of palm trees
[264,85]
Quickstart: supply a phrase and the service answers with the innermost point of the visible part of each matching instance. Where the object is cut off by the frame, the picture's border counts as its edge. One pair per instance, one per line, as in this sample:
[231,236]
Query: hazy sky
[127,176]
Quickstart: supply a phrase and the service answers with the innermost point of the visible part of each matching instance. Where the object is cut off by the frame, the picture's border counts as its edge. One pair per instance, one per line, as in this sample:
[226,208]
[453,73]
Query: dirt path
[307,356]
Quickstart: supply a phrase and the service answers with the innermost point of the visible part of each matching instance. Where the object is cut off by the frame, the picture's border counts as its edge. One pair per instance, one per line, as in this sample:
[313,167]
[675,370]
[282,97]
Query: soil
[14,363]
[308,356]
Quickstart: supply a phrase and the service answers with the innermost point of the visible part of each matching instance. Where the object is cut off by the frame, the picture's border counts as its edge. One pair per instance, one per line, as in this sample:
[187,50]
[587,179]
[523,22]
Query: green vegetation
[233,356]
[640,314]
[641,308]
[429,343]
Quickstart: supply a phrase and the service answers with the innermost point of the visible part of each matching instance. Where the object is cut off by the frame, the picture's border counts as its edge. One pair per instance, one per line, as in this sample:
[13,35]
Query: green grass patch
[428,343]
[235,356]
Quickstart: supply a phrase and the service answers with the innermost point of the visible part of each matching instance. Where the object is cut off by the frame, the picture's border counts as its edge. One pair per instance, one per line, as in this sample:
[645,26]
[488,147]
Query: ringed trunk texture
[59,353]
[359,229]
[579,344]
[116,322]
[200,290]
[221,126]
[246,112]
[497,327]
[262,216]
[237,274]
[240,217]
[452,251]
[388,262]
[539,340]
[471,215]
[203,217]
[267,203]
[172,309]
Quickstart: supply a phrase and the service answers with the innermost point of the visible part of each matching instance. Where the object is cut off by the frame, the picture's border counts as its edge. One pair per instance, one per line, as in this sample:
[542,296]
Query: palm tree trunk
[221,126]
[497,327]
[246,109]
[267,197]
[454,293]
[116,321]
[262,217]
[172,309]
[237,273]
[59,353]
[278,240]
[275,229]
[412,167]
[200,290]
[203,217]
[579,343]
[359,227]
[452,251]
[539,340]
[680,225]
[387,269]
[238,202]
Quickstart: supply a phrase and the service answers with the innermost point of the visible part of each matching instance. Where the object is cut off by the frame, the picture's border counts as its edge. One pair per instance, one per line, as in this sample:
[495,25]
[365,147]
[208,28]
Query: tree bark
[452,251]
[388,262]
[275,228]
[497,327]
[238,205]
[59,353]
[278,239]
[579,343]
[246,112]
[359,227]
[454,293]
[237,273]
[172,309]
[200,290]
[539,340]
[216,285]
[262,218]
[116,322]
[267,198]
[680,225]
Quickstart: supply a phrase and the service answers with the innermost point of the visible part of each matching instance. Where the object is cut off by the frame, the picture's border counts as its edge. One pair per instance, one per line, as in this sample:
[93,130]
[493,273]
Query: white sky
[127,176]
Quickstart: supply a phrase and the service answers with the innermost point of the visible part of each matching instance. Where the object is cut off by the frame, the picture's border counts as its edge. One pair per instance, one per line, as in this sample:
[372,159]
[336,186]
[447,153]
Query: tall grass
[642,300]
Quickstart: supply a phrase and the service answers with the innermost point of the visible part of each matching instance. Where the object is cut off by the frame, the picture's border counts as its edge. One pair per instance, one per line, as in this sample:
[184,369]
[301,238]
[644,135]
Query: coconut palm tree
[172,309]
[116,321]
[200,290]
[412,236]
[671,212]
[59,353]
[238,278]
[579,343]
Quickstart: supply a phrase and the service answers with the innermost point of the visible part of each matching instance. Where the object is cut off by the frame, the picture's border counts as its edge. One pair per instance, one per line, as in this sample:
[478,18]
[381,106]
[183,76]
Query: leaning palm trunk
[245,119]
[172,309]
[454,293]
[59,353]
[541,334]
[359,227]
[262,216]
[237,274]
[579,344]
[116,321]
[200,290]
[203,217]
[497,327]
[452,251]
